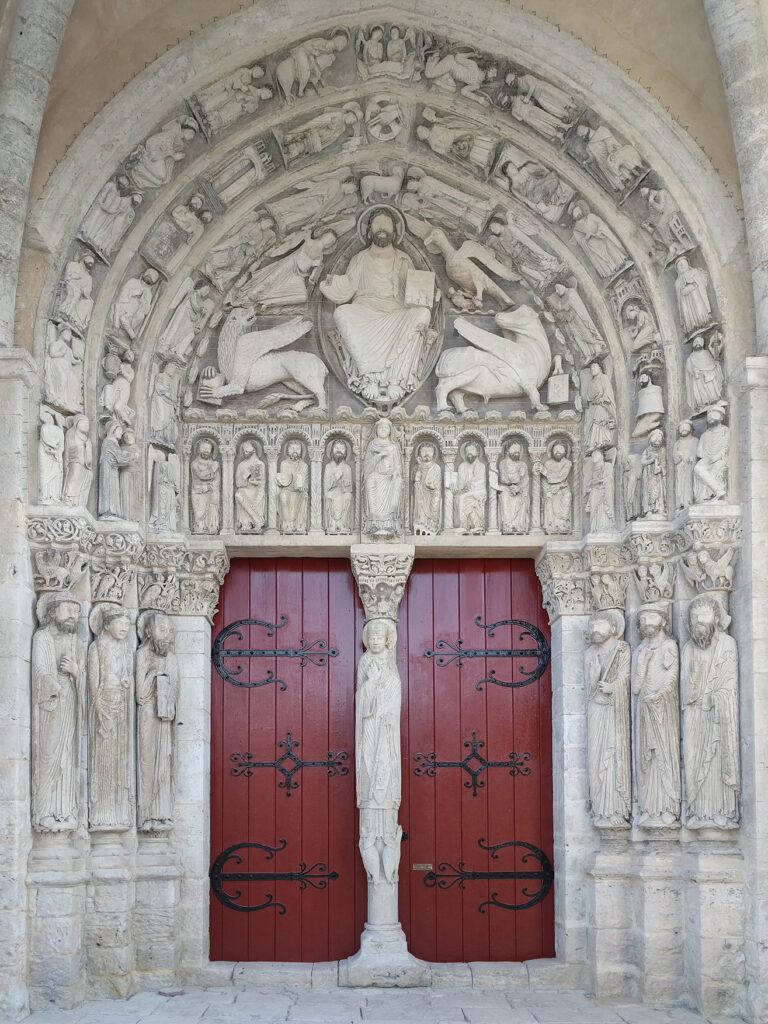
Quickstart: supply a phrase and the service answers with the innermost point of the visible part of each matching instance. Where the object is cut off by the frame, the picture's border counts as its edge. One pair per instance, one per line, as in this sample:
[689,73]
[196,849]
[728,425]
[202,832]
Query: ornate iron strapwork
[288,764]
[317,876]
[447,876]
[313,652]
[474,764]
[447,652]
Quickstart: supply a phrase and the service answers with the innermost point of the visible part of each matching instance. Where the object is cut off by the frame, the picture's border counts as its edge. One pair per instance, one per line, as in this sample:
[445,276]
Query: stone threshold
[530,975]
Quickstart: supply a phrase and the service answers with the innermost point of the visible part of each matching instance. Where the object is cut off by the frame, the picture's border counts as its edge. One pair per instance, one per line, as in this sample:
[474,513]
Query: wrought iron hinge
[313,652]
[317,876]
[474,764]
[446,652]
[288,764]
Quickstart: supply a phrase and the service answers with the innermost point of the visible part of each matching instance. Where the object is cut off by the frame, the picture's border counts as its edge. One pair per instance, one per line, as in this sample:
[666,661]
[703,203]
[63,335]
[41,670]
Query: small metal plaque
[423,867]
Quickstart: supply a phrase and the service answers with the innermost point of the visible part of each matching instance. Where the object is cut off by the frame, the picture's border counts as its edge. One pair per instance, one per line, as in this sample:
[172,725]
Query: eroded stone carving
[205,488]
[237,95]
[508,365]
[599,498]
[464,267]
[400,59]
[338,490]
[598,243]
[556,492]
[573,324]
[115,396]
[152,164]
[50,456]
[653,478]
[250,490]
[110,720]
[75,298]
[470,489]
[514,486]
[382,484]
[381,573]
[461,71]
[321,131]
[656,580]
[157,694]
[133,303]
[191,310]
[655,671]
[615,164]
[684,458]
[428,197]
[166,491]
[709,569]
[664,223]
[703,373]
[427,492]
[710,474]
[650,406]
[458,139]
[512,236]
[293,493]
[710,699]
[57,568]
[163,417]
[607,684]
[63,368]
[78,461]
[112,213]
[305,64]
[640,330]
[600,409]
[224,262]
[538,186]
[693,302]
[58,678]
[118,452]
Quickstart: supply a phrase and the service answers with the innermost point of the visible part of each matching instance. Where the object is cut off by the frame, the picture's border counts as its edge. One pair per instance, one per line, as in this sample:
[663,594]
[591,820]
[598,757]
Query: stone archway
[513,189]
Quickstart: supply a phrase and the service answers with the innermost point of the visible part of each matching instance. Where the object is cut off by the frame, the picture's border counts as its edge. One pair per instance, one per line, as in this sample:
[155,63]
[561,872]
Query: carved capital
[655,580]
[181,580]
[52,528]
[608,588]
[381,572]
[60,547]
[58,568]
[563,582]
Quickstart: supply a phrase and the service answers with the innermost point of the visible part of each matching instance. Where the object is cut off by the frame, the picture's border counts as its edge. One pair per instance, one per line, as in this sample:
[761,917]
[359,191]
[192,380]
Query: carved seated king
[383,326]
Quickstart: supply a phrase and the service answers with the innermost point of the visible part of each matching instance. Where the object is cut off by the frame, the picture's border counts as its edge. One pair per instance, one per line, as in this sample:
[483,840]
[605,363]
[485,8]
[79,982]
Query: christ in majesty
[383,336]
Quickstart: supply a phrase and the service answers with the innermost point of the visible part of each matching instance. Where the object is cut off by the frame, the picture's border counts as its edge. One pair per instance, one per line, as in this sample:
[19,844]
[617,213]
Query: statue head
[293,450]
[339,41]
[577,210]
[379,635]
[514,451]
[682,265]
[656,438]
[155,629]
[383,429]
[394,32]
[382,229]
[422,132]
[87,259]
[338,451]
[604,625]
[205,449]
[684,428]
[247,449]
[559,451]
[715,416]
[427,452]
[705,619]
[111,619]
[471,452]
[653,620]
[60,610]
[698,342]
[188,129]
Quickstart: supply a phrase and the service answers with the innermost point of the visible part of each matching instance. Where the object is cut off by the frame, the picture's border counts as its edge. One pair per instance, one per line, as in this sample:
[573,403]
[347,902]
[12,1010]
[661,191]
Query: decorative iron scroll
[447,876]
[314,652]
[474,764]
[316,876]
[446,652]
[288,764]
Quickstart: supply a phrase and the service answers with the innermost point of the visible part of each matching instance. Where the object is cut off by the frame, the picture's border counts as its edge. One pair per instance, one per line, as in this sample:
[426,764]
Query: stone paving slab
[273,1004]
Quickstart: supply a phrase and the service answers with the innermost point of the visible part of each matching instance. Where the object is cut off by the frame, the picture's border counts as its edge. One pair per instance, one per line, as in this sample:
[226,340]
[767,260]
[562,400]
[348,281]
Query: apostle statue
[382,484]
[205,488]
[110,720]
[157,695]
[250,490]
[655,670]
[293,490]
[710,698]
[377,751]
[710,474]
[58,701]
[606,681]
[382,332]
[338,505]
[556,493]
[471,491]
[514,491]
[427,492]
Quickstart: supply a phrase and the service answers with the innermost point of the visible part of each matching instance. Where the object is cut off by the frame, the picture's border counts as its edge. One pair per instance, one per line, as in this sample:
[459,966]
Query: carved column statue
[157,693]
[111,789]
[381,572]
[58,700]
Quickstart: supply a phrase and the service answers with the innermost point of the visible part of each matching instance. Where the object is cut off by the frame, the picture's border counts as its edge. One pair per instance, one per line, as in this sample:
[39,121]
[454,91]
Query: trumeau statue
[157,695]
[250,490]
[383,329]
[710,474]
[293,490]
[382,484]
[710,700]
[607,685]
[205,488]
[470,488]
[556,492]
[427,492]
[111,788]
[377,751]
[655,671]
[338,491]
[514,486]
[58,702]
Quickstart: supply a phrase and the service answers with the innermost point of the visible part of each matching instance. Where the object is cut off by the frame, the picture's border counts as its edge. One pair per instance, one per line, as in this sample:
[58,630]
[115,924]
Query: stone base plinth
[383,961]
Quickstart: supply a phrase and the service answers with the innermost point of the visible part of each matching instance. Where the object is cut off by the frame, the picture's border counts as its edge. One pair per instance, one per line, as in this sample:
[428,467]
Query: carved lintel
[563,581]
[381,572]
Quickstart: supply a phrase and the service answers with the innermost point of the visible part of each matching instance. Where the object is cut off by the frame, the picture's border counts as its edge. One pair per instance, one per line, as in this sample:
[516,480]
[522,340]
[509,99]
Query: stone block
[498,975]
[278,974]
[451,975]
[325,975]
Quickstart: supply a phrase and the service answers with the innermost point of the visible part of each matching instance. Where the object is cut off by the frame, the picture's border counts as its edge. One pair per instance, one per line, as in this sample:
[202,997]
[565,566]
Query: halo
[366,216]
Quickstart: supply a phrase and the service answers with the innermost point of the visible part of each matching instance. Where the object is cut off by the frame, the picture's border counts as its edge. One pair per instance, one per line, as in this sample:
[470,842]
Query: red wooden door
[453,825]
[305,873]
[303,817]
